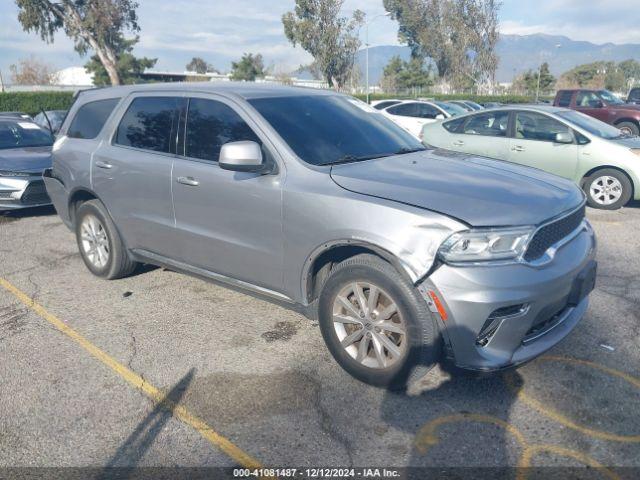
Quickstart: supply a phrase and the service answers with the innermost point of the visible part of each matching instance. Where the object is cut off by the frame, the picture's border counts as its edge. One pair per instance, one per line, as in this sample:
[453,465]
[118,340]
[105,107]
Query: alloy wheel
[94,240]
[606,190]
[369,325]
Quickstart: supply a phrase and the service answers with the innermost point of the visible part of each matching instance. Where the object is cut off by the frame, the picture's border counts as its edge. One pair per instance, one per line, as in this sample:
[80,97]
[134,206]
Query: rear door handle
[517,148]
[192,182]
[458,143]
[101,164]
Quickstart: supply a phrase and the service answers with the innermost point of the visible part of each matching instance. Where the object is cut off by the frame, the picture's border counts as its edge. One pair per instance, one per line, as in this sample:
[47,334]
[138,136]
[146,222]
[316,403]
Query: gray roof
[246,90]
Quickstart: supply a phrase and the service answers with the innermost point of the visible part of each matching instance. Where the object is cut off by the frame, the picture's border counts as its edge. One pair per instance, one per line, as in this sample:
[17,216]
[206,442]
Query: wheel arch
[319,263]
[612,167]
[76,198]
[629,120]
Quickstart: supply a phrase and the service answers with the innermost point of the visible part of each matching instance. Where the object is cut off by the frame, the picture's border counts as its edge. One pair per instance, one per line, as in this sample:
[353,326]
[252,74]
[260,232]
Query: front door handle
[517,148]
[192,182]
[458,143]
[102,164]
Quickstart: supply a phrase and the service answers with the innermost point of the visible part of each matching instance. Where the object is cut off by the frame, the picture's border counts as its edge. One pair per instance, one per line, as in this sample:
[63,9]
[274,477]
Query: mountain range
[519,53]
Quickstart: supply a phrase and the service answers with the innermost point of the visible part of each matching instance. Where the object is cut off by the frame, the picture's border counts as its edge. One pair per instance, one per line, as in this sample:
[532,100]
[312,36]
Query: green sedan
[598,157]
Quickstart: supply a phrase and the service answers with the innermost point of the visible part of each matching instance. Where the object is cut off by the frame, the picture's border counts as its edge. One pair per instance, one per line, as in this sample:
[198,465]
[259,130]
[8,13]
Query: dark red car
[603,105]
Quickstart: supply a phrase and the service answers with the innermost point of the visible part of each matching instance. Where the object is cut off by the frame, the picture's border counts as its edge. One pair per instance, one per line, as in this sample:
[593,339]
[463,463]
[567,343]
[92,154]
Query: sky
[220,31]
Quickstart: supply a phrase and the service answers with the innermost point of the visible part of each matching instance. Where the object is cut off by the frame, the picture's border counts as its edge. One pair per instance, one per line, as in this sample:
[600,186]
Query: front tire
[629,128]
[375,323]
[608,189]
[100,244]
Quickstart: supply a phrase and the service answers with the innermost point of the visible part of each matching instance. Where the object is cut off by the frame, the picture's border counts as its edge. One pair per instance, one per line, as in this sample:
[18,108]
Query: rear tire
[629,128]
[608,189]
[100,245]
[375,346]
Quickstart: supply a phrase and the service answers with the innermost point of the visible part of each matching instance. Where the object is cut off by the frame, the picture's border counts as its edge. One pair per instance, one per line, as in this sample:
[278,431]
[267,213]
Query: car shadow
[45,211]
[459,421]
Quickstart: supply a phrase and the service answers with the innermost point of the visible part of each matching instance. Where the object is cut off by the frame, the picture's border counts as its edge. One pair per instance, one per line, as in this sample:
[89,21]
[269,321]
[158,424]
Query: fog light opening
[496,318]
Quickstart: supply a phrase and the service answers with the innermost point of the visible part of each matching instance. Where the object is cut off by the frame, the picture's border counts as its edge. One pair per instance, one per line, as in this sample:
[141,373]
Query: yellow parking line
[157,396]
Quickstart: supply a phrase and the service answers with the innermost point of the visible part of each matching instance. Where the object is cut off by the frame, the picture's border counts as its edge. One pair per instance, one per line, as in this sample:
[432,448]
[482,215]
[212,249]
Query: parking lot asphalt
[84,363]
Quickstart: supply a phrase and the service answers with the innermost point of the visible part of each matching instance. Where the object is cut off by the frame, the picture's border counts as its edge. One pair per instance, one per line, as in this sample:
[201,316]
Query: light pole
[540,73]
[366,44]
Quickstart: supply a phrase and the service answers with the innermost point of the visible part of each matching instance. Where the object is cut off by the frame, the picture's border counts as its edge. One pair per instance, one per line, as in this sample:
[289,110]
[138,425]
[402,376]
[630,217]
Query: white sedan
[412,115]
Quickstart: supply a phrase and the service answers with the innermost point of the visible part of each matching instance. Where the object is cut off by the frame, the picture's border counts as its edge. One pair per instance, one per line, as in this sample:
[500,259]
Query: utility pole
[366,45]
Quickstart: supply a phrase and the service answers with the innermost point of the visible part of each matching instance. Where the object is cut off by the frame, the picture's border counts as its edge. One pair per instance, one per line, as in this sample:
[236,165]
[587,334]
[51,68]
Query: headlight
[481,245]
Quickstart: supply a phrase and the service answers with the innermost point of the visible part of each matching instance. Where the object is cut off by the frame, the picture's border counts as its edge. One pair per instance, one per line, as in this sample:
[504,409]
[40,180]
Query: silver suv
[316,201]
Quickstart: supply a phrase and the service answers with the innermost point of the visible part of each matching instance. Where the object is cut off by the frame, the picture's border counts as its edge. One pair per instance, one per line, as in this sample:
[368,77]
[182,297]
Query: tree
[128,67]
[32,71]
[460,36]
[198,65]
[631,71]
[399,75]
[248,68]
[97,25]
[528,81]
[332,40]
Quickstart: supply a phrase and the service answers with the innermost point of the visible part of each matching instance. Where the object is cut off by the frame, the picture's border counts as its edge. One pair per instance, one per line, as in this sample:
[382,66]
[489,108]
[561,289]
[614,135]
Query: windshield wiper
[405,150]
[351,158]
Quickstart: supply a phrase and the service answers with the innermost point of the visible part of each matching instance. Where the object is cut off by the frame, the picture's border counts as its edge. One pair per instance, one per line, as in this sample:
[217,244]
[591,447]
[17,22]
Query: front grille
[35,194]
[552,233]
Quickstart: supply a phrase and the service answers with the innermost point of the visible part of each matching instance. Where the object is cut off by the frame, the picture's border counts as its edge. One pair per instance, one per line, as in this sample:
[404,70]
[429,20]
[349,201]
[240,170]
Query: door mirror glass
[244,156]
[564,137]
[440,117]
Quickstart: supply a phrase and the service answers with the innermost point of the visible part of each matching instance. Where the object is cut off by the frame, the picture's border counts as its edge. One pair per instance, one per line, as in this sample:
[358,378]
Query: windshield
[328,129]
[23,134]
[609,97]
[451,108]
[591,125]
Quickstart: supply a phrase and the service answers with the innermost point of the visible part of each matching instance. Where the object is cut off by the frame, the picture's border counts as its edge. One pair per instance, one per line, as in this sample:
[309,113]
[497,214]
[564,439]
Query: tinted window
[454,125]
[23,134]
[210,125]
[323,129]
[404,109]
[90,118]
[381,105]
[451,108]
[424,110]
[492,124]
[535,126]
[565,99]
[148,123]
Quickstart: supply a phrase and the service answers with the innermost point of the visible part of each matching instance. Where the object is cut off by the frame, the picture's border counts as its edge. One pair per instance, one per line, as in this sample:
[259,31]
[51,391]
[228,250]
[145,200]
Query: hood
[629,142]
[26,159]
[479,191]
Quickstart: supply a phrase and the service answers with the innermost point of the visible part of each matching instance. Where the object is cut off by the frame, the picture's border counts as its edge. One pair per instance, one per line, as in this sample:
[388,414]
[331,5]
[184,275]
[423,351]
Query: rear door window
[211,124]
[404,110]
[565,99]
[491,124]
[90,118]
[150,123]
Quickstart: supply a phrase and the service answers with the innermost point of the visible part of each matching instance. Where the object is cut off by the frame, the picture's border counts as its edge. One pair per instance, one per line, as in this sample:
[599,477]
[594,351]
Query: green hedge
[33,102]
[461,96]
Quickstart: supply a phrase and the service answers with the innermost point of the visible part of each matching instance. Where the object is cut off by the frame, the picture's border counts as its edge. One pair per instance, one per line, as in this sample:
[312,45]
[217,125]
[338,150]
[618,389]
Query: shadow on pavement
[131,452]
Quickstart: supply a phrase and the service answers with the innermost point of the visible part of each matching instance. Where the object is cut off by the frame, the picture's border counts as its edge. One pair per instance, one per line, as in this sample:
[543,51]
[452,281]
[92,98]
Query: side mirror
[596,104]
[440,117]
[564,137]
[245,156]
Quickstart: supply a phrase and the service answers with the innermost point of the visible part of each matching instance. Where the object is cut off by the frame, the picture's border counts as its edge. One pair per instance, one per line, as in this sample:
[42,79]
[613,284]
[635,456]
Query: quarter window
[149,123]
[535,126]
[491,124]
[211,124]
[90,118]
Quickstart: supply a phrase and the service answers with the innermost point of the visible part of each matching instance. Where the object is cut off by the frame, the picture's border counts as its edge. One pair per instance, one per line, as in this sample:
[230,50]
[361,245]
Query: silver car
[307,198]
